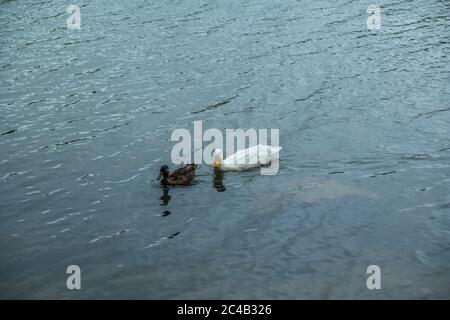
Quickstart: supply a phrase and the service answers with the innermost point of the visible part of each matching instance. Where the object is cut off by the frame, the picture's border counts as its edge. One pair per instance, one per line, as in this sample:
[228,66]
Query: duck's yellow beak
[216,163]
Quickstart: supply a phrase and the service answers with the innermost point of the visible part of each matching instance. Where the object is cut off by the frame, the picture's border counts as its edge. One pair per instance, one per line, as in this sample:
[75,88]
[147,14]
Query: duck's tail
[273,151]
[276,149]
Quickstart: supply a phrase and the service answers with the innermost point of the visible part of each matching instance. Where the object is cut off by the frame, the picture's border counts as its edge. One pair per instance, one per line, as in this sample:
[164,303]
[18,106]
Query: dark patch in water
[118,233]
[417,156]
[430,113]
[336,172]
[383,173]
[216,105]
[72,141]
[445,206]
[174,235]
[9,132]
[165,213]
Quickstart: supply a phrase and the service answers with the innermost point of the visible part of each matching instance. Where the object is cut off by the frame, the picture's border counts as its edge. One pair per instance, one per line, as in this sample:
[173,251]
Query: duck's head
[217,158]
[163,172]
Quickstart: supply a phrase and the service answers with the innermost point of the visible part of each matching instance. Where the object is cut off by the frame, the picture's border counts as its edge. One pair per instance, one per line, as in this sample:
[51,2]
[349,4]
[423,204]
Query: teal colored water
[87,115]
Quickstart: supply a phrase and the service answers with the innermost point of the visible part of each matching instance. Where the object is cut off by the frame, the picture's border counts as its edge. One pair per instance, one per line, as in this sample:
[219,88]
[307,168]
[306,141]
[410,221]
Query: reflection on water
[218,180]
[165,201]
[165,197]
[165,213]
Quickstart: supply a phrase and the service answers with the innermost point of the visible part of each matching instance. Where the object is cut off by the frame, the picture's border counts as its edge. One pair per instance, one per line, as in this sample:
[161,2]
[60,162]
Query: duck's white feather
[255,156]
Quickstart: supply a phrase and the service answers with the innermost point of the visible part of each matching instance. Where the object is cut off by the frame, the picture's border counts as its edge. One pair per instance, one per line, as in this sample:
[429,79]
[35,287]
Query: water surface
[86,117]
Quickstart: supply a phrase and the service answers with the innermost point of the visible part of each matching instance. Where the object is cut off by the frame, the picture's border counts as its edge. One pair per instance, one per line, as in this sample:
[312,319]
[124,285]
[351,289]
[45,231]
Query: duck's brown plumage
[180,177]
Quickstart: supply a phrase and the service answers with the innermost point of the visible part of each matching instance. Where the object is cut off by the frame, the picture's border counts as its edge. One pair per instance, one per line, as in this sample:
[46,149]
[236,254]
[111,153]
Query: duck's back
[267,153]
[251,157]
[187,169]
[182,176]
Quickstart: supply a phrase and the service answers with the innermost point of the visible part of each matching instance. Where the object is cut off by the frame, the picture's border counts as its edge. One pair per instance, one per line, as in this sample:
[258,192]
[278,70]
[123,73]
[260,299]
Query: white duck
[252,157]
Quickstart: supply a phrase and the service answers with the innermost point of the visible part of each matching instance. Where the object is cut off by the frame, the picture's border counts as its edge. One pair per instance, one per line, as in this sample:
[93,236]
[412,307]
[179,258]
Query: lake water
[87,115]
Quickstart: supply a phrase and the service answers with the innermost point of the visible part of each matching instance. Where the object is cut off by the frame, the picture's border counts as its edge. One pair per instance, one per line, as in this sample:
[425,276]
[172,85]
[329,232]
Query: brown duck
[180,177]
